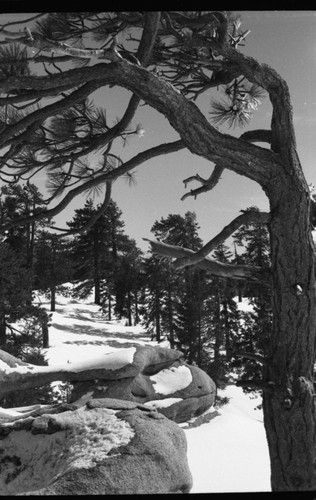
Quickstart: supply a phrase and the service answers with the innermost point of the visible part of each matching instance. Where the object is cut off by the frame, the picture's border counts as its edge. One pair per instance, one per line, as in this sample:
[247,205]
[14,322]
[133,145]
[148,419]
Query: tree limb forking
[249,217]
[282,129]
[199,135]
[207,184]
[238,271]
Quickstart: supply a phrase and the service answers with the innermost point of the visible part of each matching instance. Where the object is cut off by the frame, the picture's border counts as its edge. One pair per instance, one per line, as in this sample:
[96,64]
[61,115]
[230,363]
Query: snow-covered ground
[227,454]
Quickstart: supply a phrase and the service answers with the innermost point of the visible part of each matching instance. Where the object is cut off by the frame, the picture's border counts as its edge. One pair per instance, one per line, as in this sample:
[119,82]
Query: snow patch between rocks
[171,379]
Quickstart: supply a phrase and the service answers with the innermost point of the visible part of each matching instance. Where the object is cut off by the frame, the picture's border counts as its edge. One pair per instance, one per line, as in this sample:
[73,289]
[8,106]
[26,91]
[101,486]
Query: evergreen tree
[18,201]
[14,288]
[178,296]
[157,281]
[17,256]
[95,252]
[222,318]
[53,264]
[256,325]
[128,280]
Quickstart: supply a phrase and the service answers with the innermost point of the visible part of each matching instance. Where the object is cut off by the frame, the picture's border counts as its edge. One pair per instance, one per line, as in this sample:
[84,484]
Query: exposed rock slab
[179,391]
[105,447]
[143,374]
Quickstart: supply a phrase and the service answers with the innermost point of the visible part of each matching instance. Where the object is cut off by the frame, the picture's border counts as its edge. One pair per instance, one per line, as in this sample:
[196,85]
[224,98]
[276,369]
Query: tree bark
[45,333]
[170,317]
[96,271]
[157,316]
[129,308]
[289,410]
[136,307]
[53,298]
[3,331]
[109,304]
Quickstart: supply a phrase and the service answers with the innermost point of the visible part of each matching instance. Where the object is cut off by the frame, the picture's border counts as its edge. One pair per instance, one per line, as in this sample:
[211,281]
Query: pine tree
[52,264]
[127,280]
[157,282]
[256,325]
[14,288]
[95,251]
[17,255]
[178,296]
[222,317]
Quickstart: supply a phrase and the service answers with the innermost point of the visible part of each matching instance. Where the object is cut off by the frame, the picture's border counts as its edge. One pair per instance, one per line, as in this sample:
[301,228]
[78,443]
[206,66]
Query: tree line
[192,309]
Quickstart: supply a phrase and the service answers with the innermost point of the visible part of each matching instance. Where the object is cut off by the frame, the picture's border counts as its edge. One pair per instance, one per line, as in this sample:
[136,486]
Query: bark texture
[289,409]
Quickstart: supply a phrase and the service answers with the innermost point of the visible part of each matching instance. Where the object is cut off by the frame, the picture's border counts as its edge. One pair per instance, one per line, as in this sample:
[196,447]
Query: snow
[171,380]
[229,453]
[110,360]
[97,434]
[162,403]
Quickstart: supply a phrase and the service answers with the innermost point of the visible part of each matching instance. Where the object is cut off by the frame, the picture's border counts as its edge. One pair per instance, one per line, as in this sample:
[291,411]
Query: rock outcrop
[179,391]
[107,446]
[155,376]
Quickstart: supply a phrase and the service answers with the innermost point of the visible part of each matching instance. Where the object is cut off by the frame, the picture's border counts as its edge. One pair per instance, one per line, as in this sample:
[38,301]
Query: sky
[285,40]
[227,453]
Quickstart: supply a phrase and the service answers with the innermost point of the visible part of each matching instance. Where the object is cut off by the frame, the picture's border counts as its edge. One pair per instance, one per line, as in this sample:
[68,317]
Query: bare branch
[22,21]
[249,217]
[239,272]
[207,184]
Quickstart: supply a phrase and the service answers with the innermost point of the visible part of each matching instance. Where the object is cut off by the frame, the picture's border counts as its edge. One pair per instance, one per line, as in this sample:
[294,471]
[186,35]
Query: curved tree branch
[282,129]
[198,134]
[238,272]
[249,217]
[110,176]
[207,184]
[260,135]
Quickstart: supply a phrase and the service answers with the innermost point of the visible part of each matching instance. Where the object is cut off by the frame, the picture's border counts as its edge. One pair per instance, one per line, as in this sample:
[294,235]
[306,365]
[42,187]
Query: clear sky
[286,40]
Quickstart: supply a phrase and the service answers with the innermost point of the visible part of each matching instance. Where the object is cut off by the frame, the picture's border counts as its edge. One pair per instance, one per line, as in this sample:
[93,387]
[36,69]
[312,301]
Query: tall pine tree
[95,251]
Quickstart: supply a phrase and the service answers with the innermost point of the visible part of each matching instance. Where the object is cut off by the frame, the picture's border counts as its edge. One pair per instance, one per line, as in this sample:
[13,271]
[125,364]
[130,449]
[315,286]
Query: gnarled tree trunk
[289,404]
